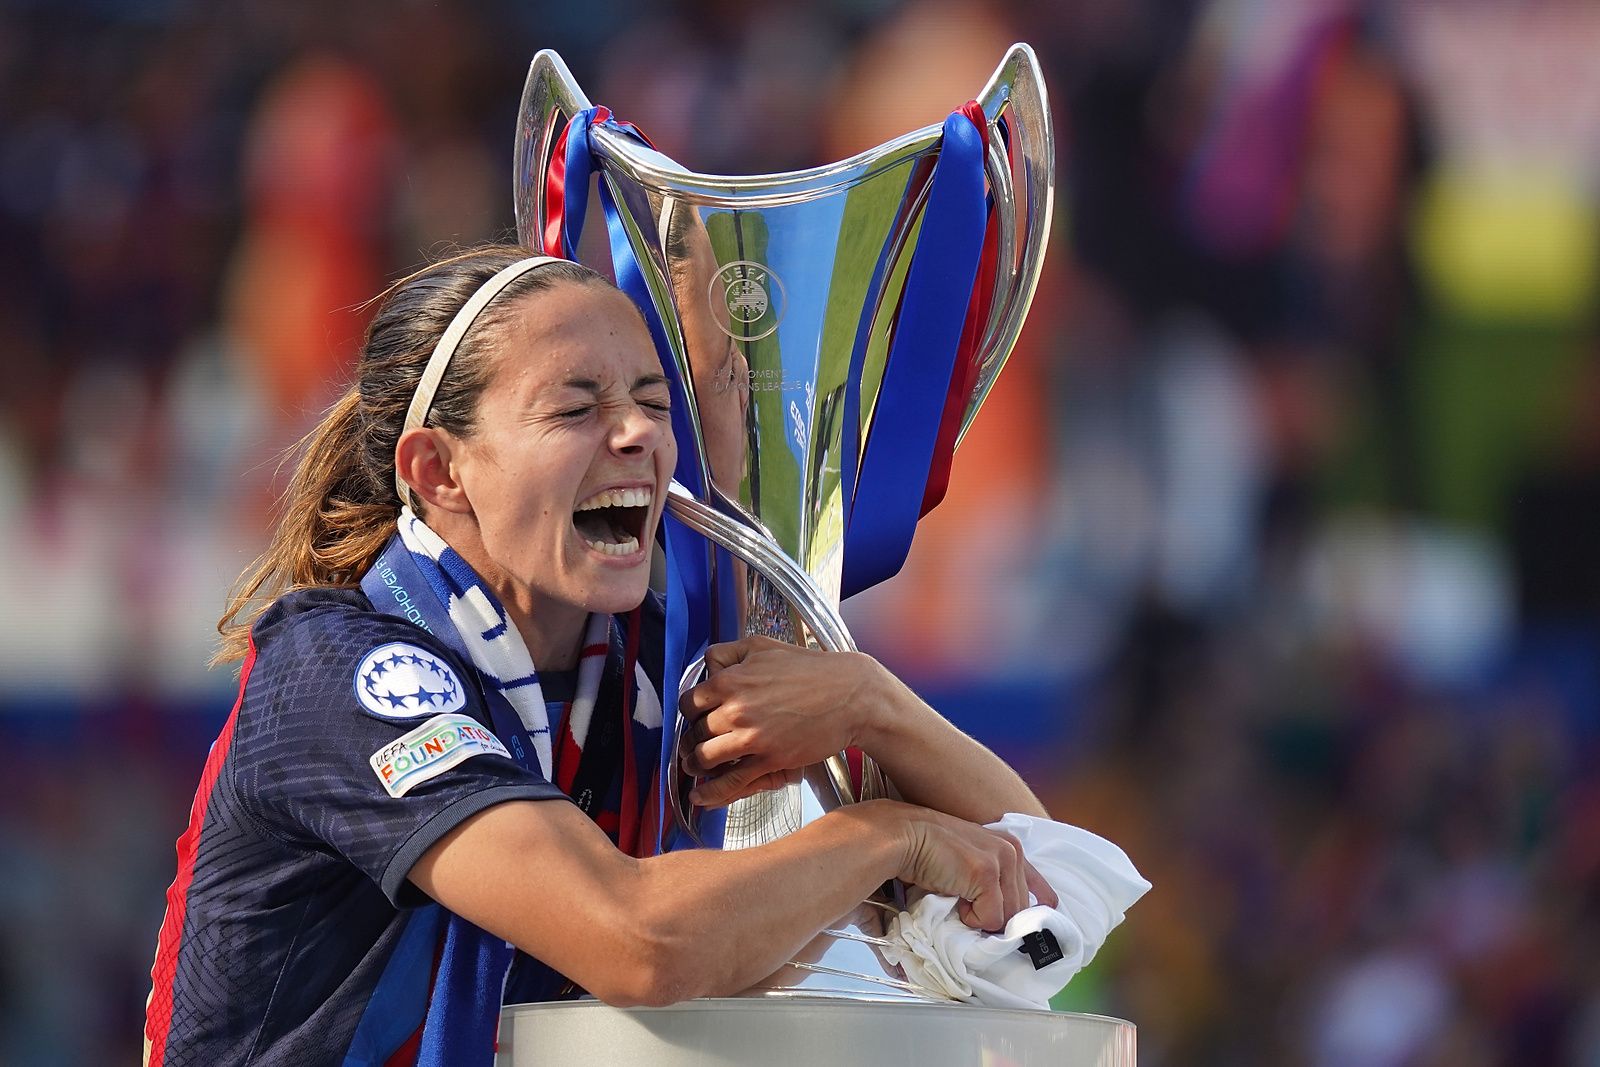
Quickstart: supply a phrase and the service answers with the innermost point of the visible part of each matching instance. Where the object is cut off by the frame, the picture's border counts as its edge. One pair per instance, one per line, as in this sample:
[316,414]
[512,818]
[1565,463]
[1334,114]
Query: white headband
[445,350]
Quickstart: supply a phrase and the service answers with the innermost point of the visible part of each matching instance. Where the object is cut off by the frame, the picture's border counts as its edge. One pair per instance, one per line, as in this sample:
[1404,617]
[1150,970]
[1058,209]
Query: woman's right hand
[986,869]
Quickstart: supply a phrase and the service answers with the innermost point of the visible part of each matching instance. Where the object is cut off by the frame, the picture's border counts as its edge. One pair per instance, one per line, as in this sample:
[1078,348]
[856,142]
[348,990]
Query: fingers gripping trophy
[830,335]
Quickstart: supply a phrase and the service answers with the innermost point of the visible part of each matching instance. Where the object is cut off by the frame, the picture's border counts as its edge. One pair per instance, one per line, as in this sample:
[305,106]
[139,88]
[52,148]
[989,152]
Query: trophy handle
[550,97]
[1017,89]
[832,776]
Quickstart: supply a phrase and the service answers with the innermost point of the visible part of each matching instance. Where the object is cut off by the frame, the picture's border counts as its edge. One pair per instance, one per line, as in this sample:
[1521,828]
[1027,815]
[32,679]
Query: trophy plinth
[841,1033]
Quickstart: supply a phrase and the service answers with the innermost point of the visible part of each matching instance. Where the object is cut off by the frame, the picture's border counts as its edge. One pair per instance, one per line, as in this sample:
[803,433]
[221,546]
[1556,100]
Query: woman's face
[567,471]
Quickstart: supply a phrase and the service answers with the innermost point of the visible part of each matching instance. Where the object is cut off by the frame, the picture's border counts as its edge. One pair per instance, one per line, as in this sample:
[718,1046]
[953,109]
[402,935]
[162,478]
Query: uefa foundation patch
[400,681]
[430,750]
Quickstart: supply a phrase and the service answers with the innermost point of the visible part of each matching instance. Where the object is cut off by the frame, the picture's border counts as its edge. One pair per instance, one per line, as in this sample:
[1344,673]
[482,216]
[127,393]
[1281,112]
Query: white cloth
[1096,883]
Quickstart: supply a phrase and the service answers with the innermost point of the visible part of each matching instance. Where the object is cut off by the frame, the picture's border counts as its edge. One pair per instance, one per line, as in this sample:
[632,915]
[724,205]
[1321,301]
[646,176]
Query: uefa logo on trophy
[753,298]
[830,334]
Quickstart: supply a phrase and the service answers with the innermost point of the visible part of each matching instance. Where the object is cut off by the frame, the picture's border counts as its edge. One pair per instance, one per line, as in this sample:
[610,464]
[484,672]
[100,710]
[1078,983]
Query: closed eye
[657,397]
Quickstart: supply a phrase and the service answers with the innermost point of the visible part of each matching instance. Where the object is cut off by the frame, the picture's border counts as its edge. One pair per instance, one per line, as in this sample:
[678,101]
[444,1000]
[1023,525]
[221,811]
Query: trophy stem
[791,583]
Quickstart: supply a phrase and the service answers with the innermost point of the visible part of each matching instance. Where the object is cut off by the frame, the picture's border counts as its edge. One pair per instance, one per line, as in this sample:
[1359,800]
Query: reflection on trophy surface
[720,370]
[707,303]
[782,303]
[867,924]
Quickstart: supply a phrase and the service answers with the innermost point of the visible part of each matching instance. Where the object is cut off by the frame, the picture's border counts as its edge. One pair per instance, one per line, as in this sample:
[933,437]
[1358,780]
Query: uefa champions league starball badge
[400,681]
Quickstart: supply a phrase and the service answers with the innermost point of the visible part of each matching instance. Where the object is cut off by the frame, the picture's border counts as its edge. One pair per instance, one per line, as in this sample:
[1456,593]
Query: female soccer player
[450,694]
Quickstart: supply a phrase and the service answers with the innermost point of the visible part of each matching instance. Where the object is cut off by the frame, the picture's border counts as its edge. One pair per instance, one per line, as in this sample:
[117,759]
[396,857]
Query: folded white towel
[1041,948]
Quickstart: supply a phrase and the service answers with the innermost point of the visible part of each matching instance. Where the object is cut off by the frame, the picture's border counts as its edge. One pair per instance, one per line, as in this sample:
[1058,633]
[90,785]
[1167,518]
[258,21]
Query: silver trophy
[780,298]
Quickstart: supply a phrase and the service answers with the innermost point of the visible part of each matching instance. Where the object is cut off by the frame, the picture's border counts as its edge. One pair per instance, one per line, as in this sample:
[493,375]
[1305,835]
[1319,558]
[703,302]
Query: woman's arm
[702,923]
[774,707]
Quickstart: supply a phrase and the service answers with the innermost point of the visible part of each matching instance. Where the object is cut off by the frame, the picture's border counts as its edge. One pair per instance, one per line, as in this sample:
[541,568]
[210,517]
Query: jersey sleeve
[362,735]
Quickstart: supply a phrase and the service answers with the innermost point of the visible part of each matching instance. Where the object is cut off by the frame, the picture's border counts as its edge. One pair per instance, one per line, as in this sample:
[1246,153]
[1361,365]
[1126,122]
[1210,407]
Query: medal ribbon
[688,597]
[922,370]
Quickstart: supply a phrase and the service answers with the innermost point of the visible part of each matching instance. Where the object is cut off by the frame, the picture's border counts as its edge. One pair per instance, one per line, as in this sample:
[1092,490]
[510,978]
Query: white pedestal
[807,1032]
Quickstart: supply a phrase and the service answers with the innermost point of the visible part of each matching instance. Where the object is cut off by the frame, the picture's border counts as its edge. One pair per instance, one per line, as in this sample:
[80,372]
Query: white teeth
[637,497]
[626,548]
[618,498]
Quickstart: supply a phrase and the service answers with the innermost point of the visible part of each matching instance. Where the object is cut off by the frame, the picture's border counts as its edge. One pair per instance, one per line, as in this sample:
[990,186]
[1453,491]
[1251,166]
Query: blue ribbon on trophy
[829,335]
[688,615]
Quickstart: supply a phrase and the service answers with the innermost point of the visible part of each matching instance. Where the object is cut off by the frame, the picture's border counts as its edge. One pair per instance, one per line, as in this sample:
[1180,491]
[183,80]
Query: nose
[633,432]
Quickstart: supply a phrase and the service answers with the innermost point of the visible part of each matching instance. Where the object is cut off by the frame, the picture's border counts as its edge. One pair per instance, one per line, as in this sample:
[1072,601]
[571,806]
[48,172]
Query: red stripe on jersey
[158,1010]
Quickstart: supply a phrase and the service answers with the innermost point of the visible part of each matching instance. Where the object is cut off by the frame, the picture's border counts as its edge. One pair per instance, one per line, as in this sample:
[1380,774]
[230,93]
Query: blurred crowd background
[1272,557]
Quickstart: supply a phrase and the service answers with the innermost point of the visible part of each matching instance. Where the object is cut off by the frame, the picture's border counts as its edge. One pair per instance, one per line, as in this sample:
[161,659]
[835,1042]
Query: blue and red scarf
[599,748]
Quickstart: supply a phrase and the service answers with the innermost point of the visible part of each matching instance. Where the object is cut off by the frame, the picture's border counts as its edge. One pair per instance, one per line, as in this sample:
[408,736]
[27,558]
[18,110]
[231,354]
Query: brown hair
[340,506]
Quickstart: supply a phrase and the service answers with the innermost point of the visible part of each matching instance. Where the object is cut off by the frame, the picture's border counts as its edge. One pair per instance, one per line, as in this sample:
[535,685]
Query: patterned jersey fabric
[291,898]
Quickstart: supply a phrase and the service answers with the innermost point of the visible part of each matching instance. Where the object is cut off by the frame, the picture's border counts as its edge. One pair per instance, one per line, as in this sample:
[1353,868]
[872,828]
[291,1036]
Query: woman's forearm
[934,764]
[722,921]
[655,931]
[701,922]
[769,707]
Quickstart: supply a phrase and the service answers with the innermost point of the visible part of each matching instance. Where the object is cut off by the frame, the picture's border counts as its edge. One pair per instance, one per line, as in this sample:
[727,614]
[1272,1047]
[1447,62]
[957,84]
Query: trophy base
[806,1032]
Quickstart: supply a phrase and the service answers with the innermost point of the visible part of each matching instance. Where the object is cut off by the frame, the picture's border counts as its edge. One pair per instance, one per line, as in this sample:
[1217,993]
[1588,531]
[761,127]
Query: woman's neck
[552,630]
[554,635]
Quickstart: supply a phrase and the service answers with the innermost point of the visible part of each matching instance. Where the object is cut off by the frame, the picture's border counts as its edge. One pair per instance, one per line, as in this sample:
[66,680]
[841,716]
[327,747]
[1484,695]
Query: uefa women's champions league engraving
[831,334]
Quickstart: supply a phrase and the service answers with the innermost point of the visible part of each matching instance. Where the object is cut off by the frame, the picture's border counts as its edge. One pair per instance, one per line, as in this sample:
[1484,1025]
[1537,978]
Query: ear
[423,458]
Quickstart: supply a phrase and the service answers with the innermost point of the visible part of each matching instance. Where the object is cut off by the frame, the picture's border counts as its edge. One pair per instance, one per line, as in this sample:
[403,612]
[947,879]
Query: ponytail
[329,532]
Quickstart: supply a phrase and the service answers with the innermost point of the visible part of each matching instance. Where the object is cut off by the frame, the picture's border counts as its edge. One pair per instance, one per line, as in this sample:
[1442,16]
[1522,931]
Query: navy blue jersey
[359,740]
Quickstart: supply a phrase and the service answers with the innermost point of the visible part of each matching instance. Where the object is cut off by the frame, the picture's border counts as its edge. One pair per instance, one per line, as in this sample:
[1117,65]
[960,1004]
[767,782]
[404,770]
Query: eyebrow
[589,385]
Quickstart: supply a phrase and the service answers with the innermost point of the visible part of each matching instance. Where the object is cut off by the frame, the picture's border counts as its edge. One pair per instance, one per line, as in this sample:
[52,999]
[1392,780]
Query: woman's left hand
[769,708]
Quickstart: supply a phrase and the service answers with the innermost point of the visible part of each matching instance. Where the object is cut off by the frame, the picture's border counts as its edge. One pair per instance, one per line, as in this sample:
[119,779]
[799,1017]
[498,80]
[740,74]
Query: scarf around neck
[496,647]
[419,577]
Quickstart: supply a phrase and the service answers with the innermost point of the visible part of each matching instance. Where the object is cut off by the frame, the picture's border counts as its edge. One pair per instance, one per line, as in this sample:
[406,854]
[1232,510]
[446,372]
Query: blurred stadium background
[1273,557]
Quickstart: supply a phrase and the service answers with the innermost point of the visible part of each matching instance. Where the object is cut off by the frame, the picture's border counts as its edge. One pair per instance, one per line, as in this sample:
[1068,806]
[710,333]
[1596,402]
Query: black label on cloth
[1042,948]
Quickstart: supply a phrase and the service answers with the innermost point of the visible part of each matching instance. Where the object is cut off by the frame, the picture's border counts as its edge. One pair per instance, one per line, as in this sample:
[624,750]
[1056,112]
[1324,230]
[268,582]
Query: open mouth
[612,520]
